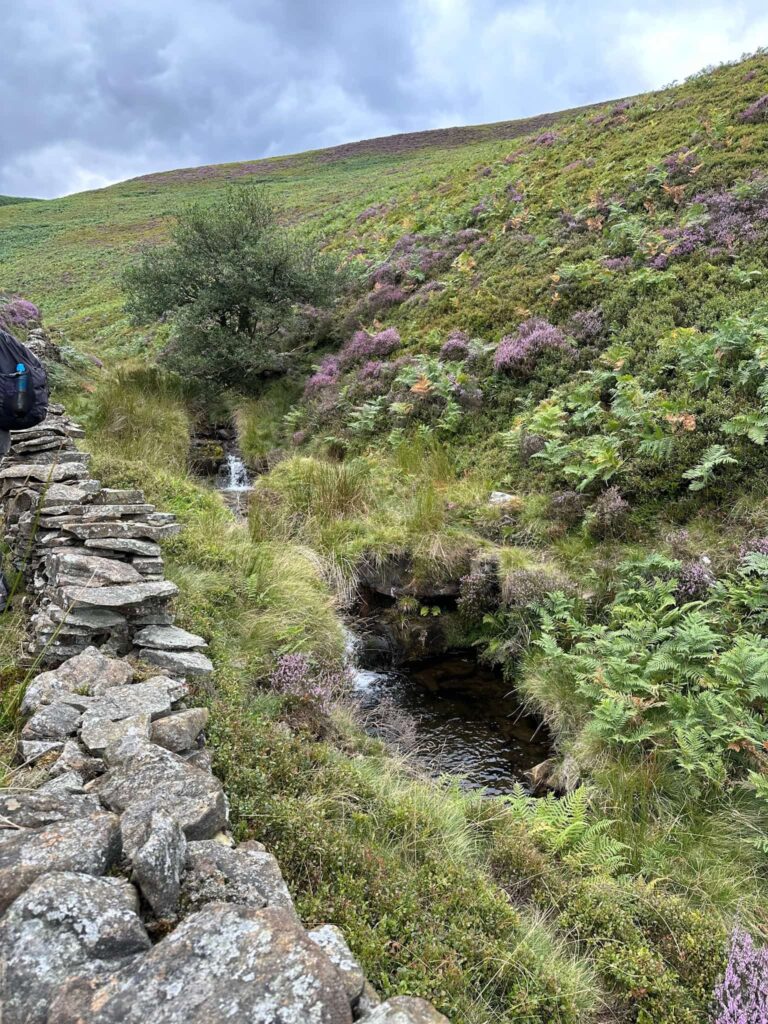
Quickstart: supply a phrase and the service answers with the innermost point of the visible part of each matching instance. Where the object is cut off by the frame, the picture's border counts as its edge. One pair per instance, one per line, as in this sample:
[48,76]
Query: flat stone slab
[179,732]
[90,570]
[31,808]
[88,672]
[90,845]
[119,496]
[65,924]
[67,494]
[35,471]
[168,638]
[135,531]
[154,697]
[185,664]
[99,734]
[245,875]
[129,545]
[127,596]
[89,618]
[224,963]
[151,775]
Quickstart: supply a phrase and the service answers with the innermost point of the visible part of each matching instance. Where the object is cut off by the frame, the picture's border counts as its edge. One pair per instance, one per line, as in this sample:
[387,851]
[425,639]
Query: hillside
[533,430]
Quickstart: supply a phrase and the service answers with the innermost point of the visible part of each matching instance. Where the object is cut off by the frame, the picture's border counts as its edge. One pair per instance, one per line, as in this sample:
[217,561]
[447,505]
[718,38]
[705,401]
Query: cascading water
[235,483]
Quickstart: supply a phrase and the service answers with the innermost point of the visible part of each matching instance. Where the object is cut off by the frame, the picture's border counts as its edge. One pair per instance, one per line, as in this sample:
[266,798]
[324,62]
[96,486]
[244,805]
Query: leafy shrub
[568,507]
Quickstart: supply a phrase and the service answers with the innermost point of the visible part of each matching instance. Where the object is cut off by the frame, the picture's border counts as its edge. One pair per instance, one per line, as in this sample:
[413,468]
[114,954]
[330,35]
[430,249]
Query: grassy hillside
[569,309]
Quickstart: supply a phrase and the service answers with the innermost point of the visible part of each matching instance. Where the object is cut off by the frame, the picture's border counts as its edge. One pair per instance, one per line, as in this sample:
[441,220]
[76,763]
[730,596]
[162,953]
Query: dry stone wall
[123,897]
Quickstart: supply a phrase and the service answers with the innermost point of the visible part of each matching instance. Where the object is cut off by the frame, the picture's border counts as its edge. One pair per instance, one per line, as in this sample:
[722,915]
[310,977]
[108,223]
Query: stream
[452,715]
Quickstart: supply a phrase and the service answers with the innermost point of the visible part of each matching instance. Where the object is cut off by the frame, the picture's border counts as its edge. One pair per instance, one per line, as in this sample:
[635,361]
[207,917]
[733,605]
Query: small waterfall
[234,475]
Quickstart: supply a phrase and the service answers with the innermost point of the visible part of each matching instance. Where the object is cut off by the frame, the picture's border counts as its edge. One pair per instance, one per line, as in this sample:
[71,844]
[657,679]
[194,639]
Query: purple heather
[519,353]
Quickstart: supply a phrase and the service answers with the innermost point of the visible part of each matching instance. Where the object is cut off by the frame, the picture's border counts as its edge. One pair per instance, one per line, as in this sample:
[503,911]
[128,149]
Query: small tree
[233,280]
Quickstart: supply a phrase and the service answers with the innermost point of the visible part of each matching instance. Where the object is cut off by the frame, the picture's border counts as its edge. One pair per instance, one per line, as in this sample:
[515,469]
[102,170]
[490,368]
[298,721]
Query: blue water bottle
[21,398]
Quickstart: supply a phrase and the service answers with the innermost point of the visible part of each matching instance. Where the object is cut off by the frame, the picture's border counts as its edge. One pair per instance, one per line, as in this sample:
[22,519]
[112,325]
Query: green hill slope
[570,310]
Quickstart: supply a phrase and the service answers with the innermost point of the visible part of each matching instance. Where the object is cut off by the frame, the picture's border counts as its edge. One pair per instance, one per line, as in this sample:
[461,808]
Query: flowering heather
[456,348]
[373,211]
[519,353]
[757,112]
[524,587]
[363,345]
[18,312]
[586,324]
[384,296]
[694,581]
[622,107]
[609,514]
[680,165]
[326,374]
[742,996]
[568,507]
[295,676]
[514,195]
[485,172]
[298,438]
[479,209]
[735,217]
[546,139]
[479,590]
[617,263]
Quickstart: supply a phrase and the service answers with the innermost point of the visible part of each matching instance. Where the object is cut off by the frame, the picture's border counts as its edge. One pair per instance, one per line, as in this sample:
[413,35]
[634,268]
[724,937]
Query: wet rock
[127,596]
[89,672]
[260,967]
[150,774]
[168,638]
[332,942]
[99,734]
[245,875]
[186,664]
[179,732]
[63,924]
[52,722]
[156,847]
[90,845]
[30,808]
[405,1010]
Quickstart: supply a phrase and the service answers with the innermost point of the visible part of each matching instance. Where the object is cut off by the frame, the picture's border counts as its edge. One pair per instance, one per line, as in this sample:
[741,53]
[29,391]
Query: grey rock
[180,731]
[89,672]
[98,734]
[168,638]
[134,531]
[52,722]
[90,570]
[30,751]
[43,473]
[155,697]
[245,875]
[65,494]
[332,942]
[64,924]
[32,808]
[222,963]
[148,566]
[200,759]
[127,596]
[367,1002]
[116,511]
[156,847]
[150,774]
[90,618]
[118,496]
[90,845]
[186,664]
[126,545]
[405,1010]
[74,759]
[64,784]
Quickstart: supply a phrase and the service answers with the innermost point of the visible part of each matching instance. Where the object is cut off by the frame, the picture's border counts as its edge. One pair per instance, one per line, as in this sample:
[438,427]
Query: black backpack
[33,408]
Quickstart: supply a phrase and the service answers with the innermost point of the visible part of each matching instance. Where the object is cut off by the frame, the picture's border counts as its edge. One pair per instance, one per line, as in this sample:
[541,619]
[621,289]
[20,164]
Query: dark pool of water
[465,722]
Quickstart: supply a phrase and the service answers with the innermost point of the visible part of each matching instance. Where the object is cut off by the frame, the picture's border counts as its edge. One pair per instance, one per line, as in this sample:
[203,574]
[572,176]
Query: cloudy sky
[95,91]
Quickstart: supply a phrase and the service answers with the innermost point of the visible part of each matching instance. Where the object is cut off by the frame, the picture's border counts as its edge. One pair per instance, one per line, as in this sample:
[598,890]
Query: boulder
[156,847]
[168,638]
[405,1010]
[185,664]
[180,731]
[52,722]
[89,672]
[332,942]
[146,773]
[222,963]
[90,845]
[245,875]
[32,808]
[65,923]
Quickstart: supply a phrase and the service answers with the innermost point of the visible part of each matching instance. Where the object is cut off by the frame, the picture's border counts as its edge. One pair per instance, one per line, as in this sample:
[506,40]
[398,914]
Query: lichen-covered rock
[64,924]
[186,664]
[99,734]
[332,942]
[168,638]
[222,963]
[30,808]
[74,759]
[128,596]
[246,874]
[90,845]
[155,697]
[31,751]
[52,722]
[90,570]
[61,785]
[405,1010]
[179,732]
[150,774]
[154,843]
[90,672]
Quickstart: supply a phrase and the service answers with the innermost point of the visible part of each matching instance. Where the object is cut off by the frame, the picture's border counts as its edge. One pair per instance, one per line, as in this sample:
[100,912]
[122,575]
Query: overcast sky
[95,91]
